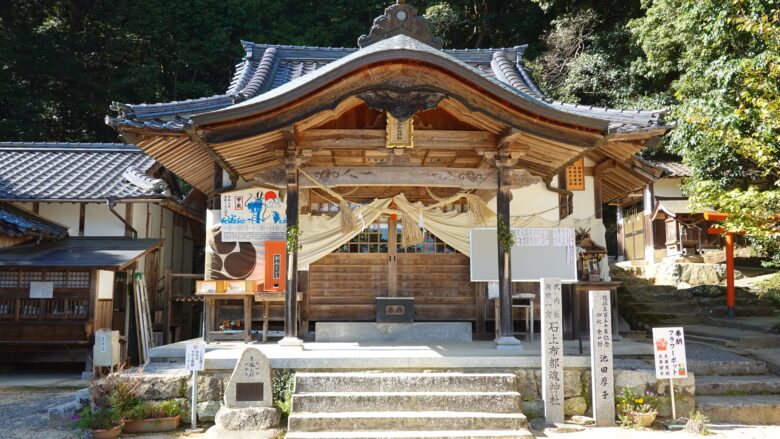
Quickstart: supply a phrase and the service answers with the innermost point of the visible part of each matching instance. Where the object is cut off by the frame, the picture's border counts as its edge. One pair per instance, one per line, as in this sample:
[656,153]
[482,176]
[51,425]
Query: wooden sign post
[195,360]
[552,351]
[601,364]
[670,361]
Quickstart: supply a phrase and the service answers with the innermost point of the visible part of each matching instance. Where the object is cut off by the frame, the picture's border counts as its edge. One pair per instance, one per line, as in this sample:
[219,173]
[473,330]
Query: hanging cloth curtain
[321,235]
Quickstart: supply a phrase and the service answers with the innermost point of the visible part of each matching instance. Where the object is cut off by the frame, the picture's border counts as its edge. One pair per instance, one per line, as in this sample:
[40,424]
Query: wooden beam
[607,165]
[423,139]
[467,178]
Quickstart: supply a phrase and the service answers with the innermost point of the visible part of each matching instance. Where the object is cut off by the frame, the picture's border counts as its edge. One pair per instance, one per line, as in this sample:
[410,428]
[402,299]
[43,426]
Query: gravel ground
[23,414]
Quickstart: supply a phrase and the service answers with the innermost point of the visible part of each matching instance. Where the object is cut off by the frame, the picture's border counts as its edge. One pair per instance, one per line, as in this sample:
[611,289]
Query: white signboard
[41,290]
[253,215]
[601,359]
[195,357]
[552,351]
[537,253]
[669,349]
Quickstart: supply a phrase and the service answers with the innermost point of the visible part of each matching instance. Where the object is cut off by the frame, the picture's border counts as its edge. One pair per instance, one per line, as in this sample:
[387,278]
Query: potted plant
[636,409]
[148,417]
[101,423]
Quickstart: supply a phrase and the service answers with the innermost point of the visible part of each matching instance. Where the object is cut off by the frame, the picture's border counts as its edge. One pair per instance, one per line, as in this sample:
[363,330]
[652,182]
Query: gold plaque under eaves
[399,134]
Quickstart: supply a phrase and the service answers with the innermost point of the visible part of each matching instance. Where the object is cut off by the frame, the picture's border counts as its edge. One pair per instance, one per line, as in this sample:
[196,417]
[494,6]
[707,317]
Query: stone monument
[552,351]
[602,371]
[248,411]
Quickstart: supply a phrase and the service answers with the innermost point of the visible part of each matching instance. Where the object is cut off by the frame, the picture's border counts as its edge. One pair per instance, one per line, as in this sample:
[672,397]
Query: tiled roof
[267,67]
[18,222]
[69,171]
[77,252]
[670,168]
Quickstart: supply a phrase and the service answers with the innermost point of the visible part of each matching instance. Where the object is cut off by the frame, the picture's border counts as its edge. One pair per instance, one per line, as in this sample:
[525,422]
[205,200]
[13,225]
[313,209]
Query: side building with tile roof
[69,210]
[659,216]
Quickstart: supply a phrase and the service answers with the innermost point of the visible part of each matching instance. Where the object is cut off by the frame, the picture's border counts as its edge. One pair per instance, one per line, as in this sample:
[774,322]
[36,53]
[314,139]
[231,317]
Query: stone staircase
[740,399]
[645,306]
[406,405]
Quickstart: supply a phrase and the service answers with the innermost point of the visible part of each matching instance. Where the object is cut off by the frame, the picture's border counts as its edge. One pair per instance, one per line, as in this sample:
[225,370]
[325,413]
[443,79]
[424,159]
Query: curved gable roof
[267,68]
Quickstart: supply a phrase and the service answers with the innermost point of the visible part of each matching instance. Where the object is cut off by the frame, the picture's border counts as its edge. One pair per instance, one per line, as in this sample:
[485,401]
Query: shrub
[95,418]
[150,410]
[284,381]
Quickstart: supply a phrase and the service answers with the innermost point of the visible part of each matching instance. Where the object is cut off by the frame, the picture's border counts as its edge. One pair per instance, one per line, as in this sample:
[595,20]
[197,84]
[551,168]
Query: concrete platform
[370,332]
[328,356]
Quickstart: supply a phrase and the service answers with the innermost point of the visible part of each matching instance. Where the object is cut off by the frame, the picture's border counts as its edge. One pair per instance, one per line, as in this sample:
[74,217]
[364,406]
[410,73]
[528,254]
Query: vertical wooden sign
[601,364]
[552,351]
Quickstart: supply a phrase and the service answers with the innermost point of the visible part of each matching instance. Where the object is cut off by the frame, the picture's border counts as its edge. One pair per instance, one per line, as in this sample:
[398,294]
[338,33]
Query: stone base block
[217,432]
[367,332]
[247,419]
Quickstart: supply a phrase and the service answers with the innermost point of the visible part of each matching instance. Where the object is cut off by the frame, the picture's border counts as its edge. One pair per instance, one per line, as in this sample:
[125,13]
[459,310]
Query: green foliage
[95,418]
[505,236]
[628,403]
[124,399]
[150,410]
[293,238]
[725,56]
[697,424]
[284,382]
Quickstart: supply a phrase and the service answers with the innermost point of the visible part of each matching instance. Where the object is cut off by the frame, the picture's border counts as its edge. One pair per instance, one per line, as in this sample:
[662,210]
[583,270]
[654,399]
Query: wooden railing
[23,309]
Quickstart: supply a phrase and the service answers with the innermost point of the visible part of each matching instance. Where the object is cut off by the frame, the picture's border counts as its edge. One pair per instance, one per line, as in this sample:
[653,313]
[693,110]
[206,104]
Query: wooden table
[209,334]
[267,298]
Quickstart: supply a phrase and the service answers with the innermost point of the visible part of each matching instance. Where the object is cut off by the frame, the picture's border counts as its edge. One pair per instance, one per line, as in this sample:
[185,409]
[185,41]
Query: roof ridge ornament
[400,19]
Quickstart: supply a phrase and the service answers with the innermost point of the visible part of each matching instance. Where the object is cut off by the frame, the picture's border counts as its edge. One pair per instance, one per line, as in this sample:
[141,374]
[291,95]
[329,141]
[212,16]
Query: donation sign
[253,215]
[669,349]
[195,357]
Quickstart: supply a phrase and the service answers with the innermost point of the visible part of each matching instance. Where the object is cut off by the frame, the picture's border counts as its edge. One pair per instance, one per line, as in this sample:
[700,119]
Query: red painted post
[730,293]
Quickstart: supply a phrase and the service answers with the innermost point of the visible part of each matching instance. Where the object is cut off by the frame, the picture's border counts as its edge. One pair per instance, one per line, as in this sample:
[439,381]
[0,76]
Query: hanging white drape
[321,234]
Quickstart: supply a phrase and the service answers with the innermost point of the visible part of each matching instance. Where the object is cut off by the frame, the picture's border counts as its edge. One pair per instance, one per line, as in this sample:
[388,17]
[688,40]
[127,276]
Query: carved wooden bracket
[402,99]
[400,19]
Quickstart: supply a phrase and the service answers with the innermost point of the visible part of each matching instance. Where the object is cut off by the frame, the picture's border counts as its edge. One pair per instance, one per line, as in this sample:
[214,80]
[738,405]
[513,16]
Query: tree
[726,58]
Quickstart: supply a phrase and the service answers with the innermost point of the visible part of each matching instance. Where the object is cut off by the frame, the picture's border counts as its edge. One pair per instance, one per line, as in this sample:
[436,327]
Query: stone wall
[175,384]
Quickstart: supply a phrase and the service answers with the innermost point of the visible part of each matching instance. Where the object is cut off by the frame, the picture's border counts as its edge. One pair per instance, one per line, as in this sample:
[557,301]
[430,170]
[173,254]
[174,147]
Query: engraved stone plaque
[250,385]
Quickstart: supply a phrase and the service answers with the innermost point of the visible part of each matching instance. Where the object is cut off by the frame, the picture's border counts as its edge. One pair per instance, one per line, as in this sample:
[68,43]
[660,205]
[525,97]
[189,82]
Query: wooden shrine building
[406,135]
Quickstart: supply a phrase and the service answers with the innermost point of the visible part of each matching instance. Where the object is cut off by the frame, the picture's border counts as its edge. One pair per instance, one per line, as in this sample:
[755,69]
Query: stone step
[664,307]
[414,421]
[403,382]
[747,324]
[496,402]
[737,385]
[741,409]
[738,337]
[726,368]
[741,311]
[661,319]
[641,290]
[445,434]
[656,297]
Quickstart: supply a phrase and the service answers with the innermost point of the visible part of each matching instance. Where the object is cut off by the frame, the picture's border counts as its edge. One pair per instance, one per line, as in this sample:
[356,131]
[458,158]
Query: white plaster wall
[140,211]
[99,221]
[66,214]
[532,200]
[167,250]
[668,187]
[584,203]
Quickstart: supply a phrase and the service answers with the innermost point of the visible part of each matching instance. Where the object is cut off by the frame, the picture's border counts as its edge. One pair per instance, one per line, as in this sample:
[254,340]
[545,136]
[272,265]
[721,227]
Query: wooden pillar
[621,236]
[597,196]
[167,294]
[290,303]
[506,338]
[648,205]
